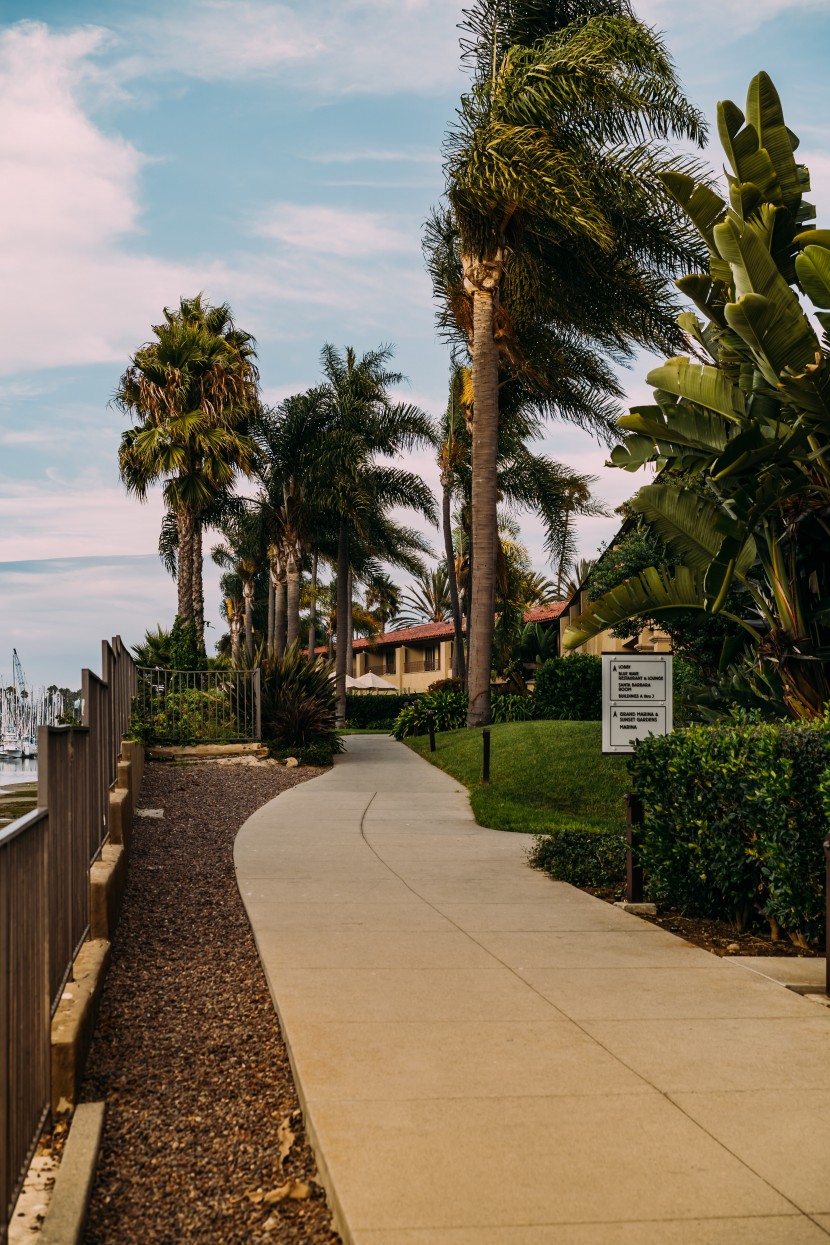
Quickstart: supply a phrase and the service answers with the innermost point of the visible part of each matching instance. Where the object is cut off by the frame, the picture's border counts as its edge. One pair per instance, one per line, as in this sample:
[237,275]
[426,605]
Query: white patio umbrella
[372,683]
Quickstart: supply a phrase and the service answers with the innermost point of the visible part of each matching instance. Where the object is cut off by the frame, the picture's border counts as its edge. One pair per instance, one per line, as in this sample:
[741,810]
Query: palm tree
[241,554]
[289,469]
[364,425]
[427,601]
[193,393]
[525,481]
[383,598]
[558,238]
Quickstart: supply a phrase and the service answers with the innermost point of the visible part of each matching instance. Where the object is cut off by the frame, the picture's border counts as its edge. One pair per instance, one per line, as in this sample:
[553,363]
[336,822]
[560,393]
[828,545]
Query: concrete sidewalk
[488,1057]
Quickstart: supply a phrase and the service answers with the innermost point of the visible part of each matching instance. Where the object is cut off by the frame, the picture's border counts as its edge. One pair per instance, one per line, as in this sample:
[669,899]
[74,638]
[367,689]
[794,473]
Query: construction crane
[18,678]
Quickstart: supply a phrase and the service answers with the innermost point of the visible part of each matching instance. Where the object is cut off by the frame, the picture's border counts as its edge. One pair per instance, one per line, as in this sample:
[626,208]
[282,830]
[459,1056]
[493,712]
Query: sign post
[636,698]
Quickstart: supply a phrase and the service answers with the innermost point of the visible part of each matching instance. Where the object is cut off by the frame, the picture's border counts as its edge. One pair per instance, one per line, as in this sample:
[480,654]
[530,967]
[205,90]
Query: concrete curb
[64,1223]
[74,1023]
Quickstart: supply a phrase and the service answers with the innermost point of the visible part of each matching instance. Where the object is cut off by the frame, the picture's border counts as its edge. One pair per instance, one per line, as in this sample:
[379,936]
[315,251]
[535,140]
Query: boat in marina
[23,709]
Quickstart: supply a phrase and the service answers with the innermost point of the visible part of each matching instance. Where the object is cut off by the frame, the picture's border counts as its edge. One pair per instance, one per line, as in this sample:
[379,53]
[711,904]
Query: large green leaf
[813,237]
[690,427]
[750,162]
[702,384]
[813,269]
[691,525]
[765,115]
[778,342]
[708,296]
[704,209]
[651,592]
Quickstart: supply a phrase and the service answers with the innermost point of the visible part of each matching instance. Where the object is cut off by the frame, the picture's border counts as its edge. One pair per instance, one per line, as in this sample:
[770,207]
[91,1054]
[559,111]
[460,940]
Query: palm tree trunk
[484,520]
[350,633]
[343,611]
[184,524]
[236,632]
[248,594]
[293,599]
[197,586]
[279,616]
[312,608]
[458,643]
[272,596]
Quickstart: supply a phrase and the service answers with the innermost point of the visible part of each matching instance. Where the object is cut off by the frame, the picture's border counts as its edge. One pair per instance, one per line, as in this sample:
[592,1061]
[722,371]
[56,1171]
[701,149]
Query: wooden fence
[45,860]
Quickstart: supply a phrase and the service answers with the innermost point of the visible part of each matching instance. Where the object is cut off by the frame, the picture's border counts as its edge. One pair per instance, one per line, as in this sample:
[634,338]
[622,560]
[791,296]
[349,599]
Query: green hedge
[375,709]
[734,821]
[569,689]
[581,857]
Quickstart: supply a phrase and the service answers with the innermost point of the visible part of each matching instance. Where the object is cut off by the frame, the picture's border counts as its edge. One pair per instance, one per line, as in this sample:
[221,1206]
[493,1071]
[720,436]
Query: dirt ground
[204,1138]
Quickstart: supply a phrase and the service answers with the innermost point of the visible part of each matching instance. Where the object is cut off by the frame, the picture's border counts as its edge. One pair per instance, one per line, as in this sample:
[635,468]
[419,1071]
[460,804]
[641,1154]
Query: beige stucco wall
[403,679]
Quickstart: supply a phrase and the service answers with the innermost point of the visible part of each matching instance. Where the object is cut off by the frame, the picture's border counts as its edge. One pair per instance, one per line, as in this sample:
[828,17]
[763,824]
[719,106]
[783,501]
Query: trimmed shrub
[365,710]
[449,709]
[446,685]
[569,689]
[581,857]
[734,822]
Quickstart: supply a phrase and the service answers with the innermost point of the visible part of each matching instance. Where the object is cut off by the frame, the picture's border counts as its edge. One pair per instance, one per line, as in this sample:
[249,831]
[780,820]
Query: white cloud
[70,198]
[71,211]
[354,46]
[332,230]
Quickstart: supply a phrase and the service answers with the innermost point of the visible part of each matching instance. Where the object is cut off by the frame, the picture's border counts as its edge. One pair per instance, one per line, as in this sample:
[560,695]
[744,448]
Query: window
[389,659]
[429,658]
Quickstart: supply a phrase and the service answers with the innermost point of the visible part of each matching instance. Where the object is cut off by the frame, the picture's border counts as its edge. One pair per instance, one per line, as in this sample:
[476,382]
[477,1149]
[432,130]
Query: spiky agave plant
[299,700]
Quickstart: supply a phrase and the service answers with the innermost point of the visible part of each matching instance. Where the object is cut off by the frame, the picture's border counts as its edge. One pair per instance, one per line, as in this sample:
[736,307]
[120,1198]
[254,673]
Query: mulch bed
[188,1053]
[716,936]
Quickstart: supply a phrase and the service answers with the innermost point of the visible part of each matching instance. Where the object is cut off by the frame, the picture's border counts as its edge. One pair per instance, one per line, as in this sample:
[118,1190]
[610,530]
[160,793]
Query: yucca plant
[298,701]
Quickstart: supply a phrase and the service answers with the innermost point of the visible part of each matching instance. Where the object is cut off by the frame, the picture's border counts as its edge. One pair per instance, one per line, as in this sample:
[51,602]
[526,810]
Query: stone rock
[291,762]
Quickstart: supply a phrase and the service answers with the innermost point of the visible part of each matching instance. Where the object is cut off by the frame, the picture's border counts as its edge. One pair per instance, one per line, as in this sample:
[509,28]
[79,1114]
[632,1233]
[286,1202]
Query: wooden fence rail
[45,860]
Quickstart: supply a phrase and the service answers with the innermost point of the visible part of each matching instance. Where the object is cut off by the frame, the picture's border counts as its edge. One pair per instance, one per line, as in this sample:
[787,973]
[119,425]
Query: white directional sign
[636,698]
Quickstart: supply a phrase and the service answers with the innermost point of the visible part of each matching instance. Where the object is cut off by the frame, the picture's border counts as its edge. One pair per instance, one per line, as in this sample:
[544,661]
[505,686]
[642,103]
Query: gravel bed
[188,1052]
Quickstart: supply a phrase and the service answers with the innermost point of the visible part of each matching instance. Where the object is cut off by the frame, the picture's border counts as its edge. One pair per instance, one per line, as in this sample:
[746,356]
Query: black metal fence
[198,706]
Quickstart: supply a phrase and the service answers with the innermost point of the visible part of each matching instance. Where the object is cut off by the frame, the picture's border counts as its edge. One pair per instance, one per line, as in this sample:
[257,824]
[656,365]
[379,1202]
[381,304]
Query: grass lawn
[543,775]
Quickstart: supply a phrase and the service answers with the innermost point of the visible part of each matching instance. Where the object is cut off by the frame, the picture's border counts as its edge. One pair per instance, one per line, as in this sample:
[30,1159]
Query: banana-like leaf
[692,526]
[704,209]
[813,237]
[765,115]
[699,383]
[650,592]
[778,342]
[750,162]
[710,297]
[691,427]
[634,453]
[813,269]
[721,573]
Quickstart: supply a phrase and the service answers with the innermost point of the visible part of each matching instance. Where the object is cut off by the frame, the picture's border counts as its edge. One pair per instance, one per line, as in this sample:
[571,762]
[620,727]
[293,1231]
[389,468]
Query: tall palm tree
[525,481]
[558,237]
[364,425]
[427,600]
[193,394]
[289,469]
[241,553]
[383,597]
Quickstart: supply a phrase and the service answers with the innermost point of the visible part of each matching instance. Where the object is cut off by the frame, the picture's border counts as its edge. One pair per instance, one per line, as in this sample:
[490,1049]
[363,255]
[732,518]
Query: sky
[278,156]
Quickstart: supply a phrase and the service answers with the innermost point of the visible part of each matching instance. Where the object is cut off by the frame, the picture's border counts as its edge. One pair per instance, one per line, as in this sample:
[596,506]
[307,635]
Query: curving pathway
[488,1057]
